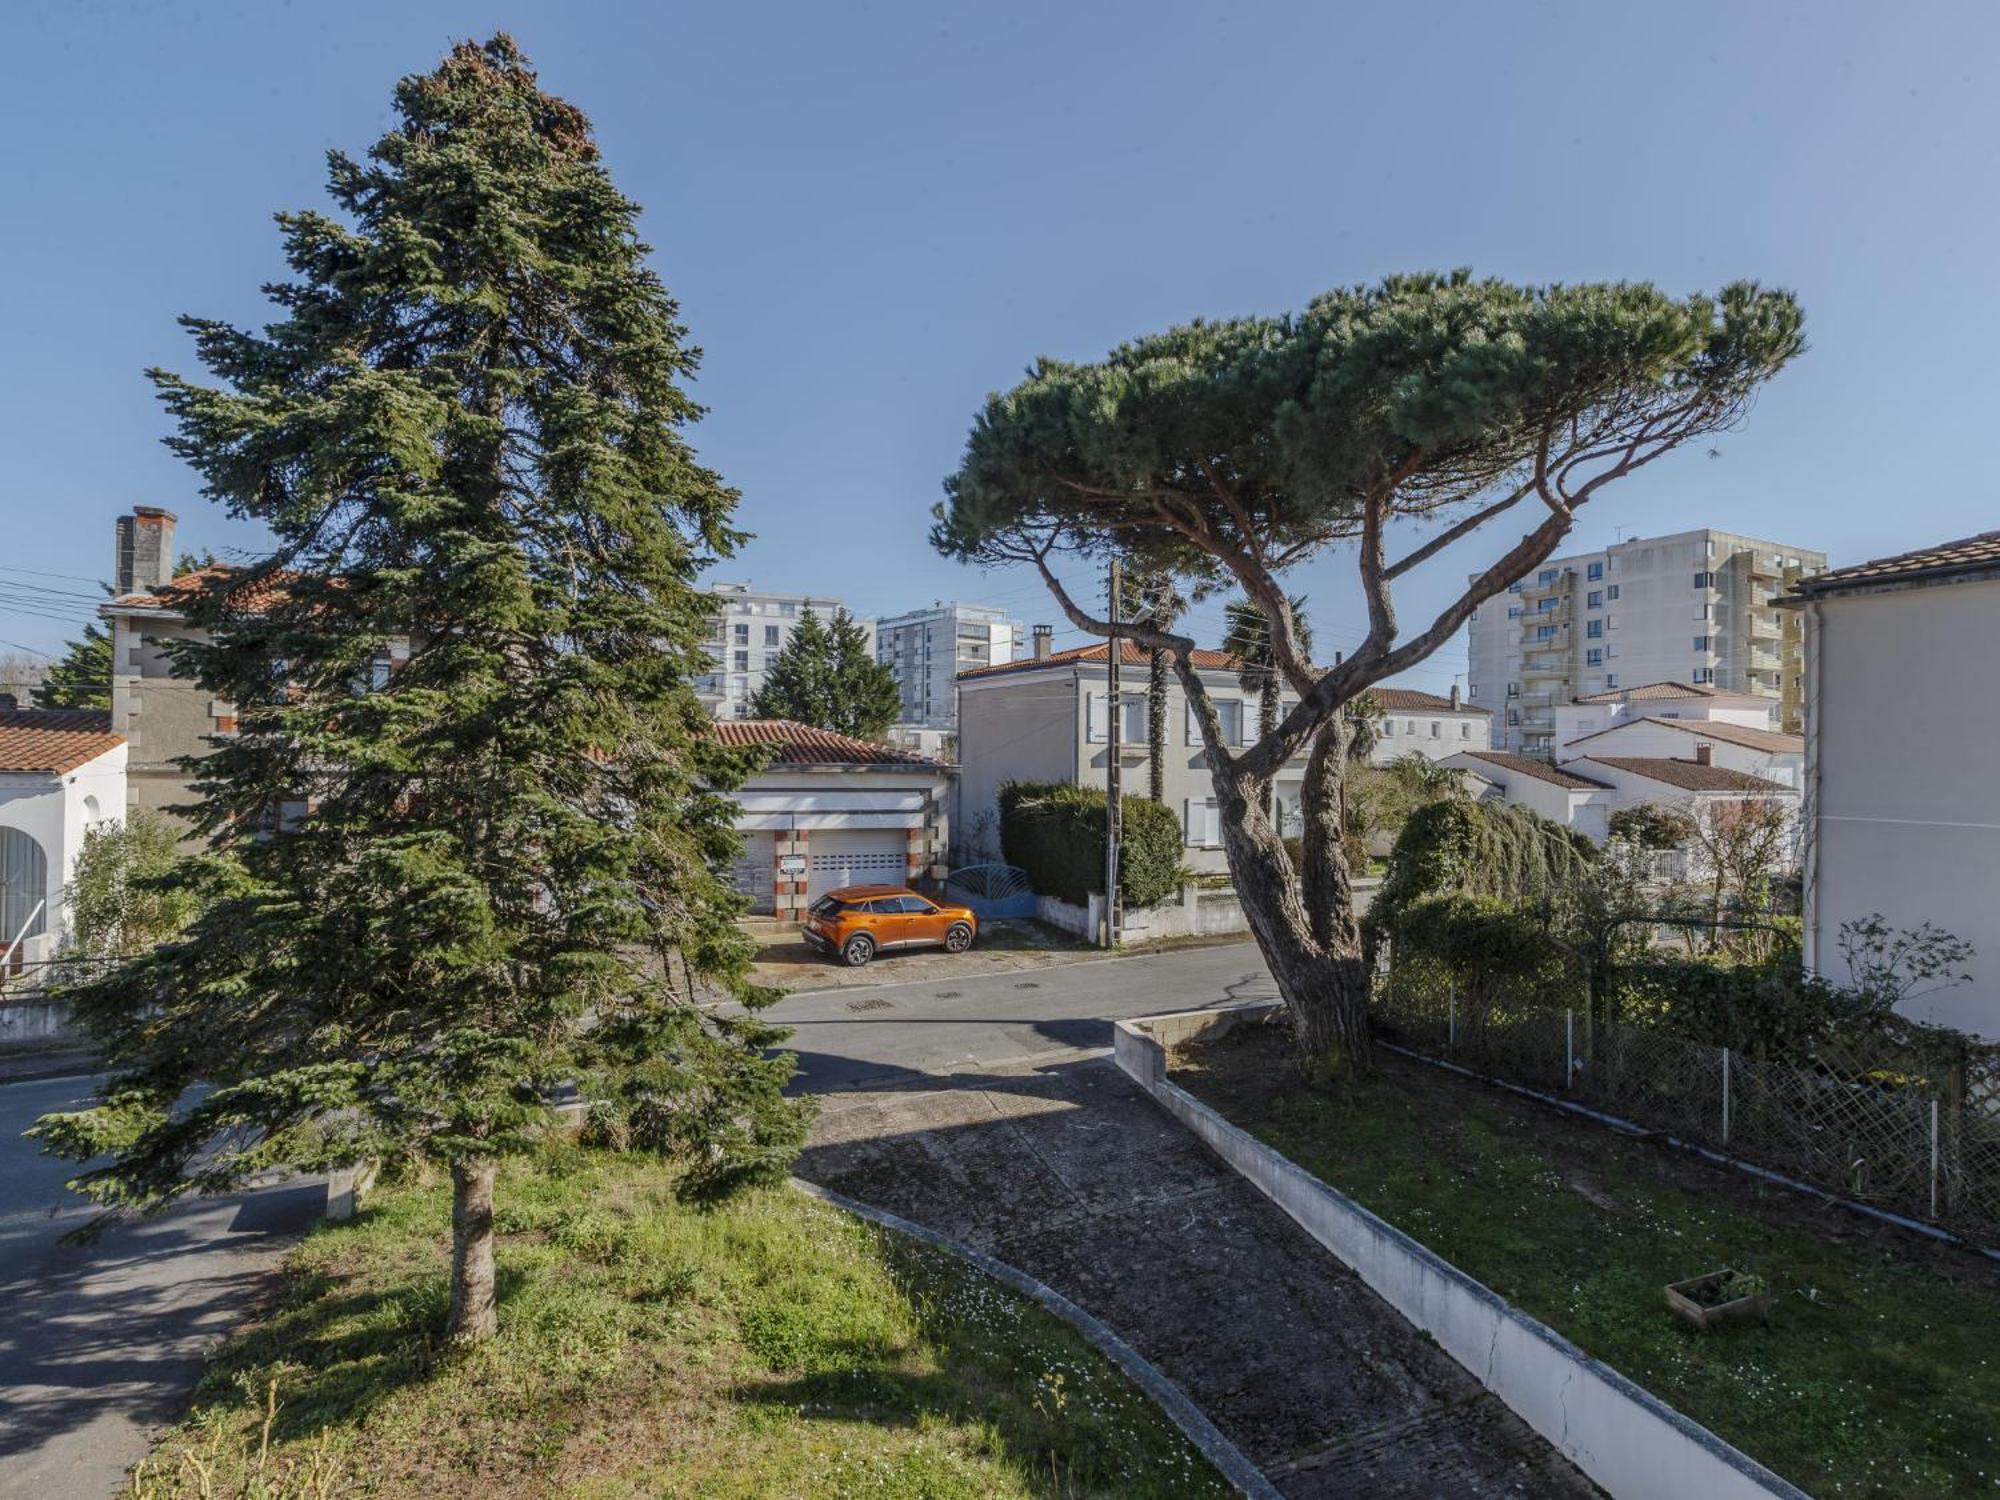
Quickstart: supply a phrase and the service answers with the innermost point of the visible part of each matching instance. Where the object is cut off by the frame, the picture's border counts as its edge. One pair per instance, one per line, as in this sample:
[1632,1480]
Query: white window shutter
[1191,731]
[1211,823]
[1094,723]
[1190,834]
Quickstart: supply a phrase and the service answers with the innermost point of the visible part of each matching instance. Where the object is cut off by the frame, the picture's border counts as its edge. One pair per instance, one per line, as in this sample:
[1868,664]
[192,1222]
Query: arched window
[24,884]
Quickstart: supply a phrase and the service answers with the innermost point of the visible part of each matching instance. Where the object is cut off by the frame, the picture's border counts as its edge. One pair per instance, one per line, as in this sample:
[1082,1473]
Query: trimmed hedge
[1055,832]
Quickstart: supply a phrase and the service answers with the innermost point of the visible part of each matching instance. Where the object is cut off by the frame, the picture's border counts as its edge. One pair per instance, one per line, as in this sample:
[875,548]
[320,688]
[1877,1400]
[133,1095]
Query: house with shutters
[62,772]
[827,810]
[1047,717]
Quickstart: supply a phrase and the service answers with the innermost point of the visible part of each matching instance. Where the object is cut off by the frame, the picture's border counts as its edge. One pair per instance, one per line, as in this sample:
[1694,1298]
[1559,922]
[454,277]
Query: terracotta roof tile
[1409,700]
[1770,740]
[1972,554]
[1689,775]
[54,740]
[173,596]
[796,744]
[1541,770]
[1647,692]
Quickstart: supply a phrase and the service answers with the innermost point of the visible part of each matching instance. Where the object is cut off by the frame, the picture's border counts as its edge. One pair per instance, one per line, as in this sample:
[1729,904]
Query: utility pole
[1114,649]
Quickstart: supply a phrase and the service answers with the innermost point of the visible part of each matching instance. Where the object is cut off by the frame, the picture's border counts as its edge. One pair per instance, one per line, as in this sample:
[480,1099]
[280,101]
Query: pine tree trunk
[475,1314]
[1304,919]
[1156,726]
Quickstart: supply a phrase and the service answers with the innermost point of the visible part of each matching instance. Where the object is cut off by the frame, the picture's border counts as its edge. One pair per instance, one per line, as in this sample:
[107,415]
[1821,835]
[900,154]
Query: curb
[1227,1458]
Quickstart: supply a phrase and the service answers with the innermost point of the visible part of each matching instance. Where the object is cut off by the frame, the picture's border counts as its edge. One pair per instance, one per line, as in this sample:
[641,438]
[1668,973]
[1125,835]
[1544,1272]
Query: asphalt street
[876,1036]
[100,1343]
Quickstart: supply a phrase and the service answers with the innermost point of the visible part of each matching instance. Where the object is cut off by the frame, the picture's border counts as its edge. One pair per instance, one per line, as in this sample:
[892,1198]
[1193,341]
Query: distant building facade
[751,628]
[928,648]
[1697,607]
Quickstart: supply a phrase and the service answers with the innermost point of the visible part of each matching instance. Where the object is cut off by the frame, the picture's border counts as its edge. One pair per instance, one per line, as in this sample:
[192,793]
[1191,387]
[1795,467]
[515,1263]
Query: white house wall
[55,811]
[1901,720]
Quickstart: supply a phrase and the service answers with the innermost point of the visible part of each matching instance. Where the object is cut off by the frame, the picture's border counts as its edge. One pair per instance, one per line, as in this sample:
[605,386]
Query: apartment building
[751,628]
[928,648]
[1698,607]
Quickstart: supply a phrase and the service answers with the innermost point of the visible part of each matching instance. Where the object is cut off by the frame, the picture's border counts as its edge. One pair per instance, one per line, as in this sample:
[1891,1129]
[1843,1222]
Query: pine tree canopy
[826,676]
[81,677]
[468,842]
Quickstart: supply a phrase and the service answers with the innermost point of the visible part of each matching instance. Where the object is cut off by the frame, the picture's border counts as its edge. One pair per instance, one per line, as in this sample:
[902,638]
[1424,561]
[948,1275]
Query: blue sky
[876,213]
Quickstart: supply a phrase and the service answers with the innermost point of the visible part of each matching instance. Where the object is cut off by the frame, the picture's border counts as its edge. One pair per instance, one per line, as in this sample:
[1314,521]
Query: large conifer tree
[467,841]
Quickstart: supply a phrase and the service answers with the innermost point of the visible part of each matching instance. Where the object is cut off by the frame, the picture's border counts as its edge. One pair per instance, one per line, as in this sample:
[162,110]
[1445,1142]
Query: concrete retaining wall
[33,1024]
[1621,1435]
[1196,913]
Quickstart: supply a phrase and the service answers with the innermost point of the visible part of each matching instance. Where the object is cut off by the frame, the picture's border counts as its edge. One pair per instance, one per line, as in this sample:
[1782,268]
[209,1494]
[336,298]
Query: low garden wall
[1197,913]
[1621,1435]
[29,1024]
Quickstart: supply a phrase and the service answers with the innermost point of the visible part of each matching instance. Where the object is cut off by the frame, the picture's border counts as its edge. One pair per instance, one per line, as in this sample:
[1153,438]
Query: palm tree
[1247,637]
[1152,600]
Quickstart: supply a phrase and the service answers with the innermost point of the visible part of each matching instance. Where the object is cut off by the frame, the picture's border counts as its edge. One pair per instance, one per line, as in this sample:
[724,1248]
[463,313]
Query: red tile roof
[1408,700]
[796,744]
[1689,775]
[173,596]
[54,741]
[1771,740]
[1133,655]
[1648,691]
[1969,555]
[1540,770]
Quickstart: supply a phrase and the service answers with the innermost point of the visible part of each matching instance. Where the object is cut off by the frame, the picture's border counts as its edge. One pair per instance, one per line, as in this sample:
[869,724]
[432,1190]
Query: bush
[1494,954]
[1770,1009]
[1055,832]
[1480,849]
[1647,825]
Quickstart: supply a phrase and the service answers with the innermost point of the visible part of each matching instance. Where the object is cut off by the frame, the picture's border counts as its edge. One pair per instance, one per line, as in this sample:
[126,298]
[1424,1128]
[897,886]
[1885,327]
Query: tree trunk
[1304,920]
[475,1313]
[1156,726]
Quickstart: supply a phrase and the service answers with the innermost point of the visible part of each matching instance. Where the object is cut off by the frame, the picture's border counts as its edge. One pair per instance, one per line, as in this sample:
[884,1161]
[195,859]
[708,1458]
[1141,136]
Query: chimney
[1044,637]
[145,550]
[1456,701]
[1704,755]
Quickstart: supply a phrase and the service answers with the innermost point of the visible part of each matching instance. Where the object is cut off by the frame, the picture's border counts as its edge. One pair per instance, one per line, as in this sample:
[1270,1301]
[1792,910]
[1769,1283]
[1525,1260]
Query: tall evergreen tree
[81,676]
[467,842]
[826,676]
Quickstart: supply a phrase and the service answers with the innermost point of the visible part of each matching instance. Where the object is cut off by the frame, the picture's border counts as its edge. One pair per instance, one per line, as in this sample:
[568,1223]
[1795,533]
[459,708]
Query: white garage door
[751,874]
[855,856]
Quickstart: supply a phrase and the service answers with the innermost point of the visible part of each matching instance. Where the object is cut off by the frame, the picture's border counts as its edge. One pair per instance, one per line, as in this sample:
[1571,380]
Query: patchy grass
[769,1346]
[1878,1374]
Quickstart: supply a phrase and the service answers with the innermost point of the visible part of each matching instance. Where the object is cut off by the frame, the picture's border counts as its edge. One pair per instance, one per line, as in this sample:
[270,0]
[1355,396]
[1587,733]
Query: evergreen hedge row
[1055,832]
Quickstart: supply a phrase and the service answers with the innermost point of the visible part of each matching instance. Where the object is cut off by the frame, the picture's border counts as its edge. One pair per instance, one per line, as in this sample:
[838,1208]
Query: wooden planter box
[1686,1299]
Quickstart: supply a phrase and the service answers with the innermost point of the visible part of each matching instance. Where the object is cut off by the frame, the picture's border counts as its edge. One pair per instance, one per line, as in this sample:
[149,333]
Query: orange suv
[859,921]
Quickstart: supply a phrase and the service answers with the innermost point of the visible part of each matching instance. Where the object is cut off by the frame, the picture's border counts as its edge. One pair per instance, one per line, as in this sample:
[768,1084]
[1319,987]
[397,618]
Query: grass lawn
[1878,1375]
[769,1347]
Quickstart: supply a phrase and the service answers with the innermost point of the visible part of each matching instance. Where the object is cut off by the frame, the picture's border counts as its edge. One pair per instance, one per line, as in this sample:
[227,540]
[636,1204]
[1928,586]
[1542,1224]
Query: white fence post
[1725,1096]
[1569,1048]
[1451,1019]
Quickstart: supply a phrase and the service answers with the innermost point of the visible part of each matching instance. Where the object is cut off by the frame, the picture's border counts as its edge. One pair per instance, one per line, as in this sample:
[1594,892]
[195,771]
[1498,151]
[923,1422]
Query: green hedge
[1055,832]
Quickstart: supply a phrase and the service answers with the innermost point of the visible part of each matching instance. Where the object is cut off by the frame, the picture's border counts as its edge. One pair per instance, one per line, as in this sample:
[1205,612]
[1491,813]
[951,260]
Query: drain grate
[947,994]
[872,1002]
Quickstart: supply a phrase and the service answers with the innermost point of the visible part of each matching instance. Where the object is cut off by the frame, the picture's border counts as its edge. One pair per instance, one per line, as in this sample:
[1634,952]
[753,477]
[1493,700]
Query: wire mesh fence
[1856,1120]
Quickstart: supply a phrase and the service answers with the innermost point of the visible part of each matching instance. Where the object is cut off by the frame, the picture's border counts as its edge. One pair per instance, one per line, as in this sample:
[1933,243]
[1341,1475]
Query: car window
[878,908]
[912,905]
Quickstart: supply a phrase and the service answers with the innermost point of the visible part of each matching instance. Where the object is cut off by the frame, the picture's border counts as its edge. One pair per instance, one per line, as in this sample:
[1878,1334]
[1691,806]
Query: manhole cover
[873,1002]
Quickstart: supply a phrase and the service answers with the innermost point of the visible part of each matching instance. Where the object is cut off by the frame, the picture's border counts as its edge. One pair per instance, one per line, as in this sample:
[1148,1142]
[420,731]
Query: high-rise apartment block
[751,629]
[928,648]
[1696,607]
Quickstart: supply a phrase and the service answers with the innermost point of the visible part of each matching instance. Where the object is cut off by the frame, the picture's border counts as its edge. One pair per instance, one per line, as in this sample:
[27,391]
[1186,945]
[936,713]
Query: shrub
[1055,832]
[1493,953]
[1647,825]
[1480,849]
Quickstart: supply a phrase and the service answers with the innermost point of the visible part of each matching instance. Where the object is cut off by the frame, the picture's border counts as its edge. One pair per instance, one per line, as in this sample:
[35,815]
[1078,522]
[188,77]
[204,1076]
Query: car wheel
[860,948]
[958,939]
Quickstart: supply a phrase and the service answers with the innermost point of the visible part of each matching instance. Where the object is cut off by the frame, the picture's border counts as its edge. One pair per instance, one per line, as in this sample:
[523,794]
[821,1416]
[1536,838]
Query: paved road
[909,1030]
[99,1344]
[987,1110]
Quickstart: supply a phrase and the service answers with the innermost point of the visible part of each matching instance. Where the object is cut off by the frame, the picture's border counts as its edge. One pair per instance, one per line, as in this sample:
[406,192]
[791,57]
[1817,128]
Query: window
[742,633]
[1701,642]
[1546,605]
[1513,716]
[788,610]
[1436,729]
[1594,572]
[1513,588]
[1513,690]
[1410,727]
[1704,674]
[24,888]
[1388,729]
[1594,657]
[1132,723]
[771,635]
[1611,679]
[1548,632]
[1465,729]
[1228,710]
[1547,575]
[1594,599]
[1594,630]
[1704,580]
[1198,817]
[1611,590]
[1513,611]
[743,661]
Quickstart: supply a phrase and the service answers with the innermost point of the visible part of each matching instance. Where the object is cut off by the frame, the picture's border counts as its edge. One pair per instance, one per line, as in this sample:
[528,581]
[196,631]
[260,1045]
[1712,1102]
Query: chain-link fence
[1857,1119]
